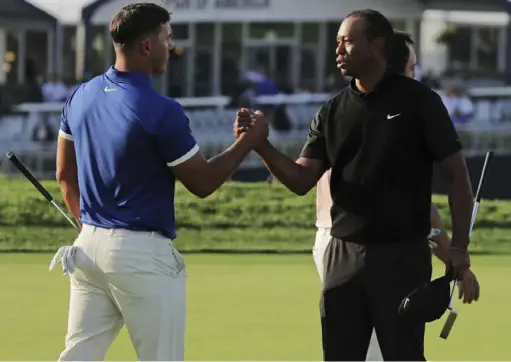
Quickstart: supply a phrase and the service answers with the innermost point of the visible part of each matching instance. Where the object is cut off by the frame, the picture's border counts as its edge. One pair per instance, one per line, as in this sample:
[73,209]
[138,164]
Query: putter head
[449,323]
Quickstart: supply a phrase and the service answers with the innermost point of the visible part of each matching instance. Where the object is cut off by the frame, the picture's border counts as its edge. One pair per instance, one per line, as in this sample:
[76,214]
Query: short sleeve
[439,132]
[65,130]
[315,145]
[174,135]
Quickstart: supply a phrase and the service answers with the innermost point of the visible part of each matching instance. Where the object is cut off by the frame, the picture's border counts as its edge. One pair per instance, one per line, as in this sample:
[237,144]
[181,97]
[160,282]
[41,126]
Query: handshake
[251,125]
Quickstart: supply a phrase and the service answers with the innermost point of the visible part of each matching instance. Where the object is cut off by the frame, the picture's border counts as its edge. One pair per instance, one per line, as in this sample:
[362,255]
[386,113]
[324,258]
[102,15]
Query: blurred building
[465,37]
[27,42]
[219,41]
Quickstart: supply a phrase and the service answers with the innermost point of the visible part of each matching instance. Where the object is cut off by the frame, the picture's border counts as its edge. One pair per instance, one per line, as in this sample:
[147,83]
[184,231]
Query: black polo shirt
[381,147]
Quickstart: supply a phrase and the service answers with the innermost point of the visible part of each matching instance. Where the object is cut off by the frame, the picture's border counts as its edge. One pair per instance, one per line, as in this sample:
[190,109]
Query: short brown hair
[400,51]
[135,21]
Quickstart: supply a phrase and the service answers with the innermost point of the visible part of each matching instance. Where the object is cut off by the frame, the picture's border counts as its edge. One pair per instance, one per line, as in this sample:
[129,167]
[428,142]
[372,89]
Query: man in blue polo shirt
[121,147]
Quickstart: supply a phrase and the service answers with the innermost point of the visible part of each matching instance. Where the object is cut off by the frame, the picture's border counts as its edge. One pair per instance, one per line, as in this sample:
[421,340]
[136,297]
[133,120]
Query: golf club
[24,170]
[451,318]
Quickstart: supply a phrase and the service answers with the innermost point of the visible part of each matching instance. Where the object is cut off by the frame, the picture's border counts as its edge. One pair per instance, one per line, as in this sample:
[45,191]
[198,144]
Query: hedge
[239,216]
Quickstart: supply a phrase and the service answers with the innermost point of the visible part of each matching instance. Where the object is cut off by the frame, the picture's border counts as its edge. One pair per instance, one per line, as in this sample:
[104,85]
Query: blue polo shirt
[126,137]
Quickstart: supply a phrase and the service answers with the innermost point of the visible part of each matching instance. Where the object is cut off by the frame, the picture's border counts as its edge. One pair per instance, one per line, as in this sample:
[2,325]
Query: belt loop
[111,231]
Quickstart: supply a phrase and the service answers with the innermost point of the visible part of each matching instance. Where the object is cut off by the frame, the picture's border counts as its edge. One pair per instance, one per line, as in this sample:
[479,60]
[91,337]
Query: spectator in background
[458,104]
[54,89]
[261,83]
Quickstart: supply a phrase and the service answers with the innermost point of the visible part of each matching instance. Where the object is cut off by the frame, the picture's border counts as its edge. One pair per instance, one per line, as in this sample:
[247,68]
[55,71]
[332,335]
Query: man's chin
[346,72]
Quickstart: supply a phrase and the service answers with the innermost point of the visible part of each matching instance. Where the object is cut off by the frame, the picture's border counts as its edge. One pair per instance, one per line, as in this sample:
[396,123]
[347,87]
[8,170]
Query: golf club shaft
[25,171]
[446,330]
[477,201]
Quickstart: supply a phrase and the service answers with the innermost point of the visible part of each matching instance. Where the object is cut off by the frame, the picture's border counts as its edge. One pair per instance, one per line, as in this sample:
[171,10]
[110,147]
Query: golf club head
[449,323]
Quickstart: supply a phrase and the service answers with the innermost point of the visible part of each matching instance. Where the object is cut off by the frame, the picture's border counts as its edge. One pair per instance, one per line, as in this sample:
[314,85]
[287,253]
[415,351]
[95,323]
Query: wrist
[246,140]
[261,147]
[459,244]
[461,249]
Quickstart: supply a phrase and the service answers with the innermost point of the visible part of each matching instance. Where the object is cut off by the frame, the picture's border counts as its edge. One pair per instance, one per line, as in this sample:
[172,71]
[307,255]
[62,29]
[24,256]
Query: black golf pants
[363,287]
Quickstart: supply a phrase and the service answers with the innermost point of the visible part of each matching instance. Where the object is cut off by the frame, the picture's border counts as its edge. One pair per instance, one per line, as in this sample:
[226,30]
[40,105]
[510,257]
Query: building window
[180,31]
[98,50]
[231,57]
[459,42]
[37,52]
[307,76]
[472,48]
[310,33]
[203,62]
[487,48]
[309,48]
[69,56]
[177,70]
[11,58]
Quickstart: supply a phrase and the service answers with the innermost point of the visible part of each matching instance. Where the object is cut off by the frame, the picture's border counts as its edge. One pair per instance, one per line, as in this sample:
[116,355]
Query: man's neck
[368,82]
[123,64]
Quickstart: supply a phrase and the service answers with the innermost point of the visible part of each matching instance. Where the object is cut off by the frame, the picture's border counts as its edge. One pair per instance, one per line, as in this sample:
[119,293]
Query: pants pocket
[179,259]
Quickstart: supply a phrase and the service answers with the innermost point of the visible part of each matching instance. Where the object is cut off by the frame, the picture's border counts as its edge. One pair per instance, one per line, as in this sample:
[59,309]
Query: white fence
[211,121]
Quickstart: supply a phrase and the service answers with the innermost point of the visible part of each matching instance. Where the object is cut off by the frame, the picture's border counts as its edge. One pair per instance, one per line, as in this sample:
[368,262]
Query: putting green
[241,307]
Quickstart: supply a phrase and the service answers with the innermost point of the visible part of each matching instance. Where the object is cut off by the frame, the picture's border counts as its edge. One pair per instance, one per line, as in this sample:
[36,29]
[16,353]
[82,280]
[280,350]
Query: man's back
[118,122]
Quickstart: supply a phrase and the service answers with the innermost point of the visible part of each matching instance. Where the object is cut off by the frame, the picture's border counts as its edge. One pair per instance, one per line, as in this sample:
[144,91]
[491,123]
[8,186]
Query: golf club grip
[12,157]
[484,171]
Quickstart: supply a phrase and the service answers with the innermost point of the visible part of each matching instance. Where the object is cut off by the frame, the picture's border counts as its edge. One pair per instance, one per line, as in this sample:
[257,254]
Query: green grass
[241,307]
[240,216]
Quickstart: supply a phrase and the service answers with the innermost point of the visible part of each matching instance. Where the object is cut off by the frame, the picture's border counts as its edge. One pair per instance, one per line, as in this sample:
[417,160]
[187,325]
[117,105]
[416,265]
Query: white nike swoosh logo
[109,89]
[393,116]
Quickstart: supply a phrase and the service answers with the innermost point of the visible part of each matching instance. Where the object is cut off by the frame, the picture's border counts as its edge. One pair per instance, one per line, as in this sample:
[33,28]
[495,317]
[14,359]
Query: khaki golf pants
[323,238]
[126,277]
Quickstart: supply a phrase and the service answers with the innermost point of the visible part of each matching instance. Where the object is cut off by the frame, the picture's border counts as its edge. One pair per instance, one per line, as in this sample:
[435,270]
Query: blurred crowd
[255,83]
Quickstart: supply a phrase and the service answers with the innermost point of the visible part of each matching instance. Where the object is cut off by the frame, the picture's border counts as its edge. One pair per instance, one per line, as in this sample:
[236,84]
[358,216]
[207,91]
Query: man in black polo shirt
[380,136]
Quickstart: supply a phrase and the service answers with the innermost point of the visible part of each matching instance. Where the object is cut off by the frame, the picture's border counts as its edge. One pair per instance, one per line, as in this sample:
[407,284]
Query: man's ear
[379,44]
[145,45]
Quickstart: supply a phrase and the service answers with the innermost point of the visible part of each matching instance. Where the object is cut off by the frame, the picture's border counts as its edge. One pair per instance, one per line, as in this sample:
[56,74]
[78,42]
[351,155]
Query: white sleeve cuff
[65,135]
[185,157]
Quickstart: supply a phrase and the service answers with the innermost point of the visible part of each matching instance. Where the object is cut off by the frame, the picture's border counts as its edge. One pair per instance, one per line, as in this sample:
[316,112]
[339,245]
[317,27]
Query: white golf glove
[65,255]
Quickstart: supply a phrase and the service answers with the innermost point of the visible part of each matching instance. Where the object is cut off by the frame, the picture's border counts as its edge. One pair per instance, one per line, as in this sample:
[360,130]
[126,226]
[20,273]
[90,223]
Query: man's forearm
[222,166]
[461,204]
[287,171]
[71,195]
[442,240]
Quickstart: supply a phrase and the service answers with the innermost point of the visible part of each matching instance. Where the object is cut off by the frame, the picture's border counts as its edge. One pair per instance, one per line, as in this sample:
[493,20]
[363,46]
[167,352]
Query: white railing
[199,102]
[490,127]
[477,93]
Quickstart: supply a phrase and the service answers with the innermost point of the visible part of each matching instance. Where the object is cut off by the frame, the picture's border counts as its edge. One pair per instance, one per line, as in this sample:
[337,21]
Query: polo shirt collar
[137,78]
[387,76]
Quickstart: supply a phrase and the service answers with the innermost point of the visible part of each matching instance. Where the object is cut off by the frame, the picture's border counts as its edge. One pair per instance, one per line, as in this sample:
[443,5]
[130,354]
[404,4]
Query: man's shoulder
[413,87]
[171,103]
[334,100]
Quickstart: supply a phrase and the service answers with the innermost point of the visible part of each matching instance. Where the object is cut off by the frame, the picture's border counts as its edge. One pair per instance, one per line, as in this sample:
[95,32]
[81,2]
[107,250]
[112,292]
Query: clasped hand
[253,124]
